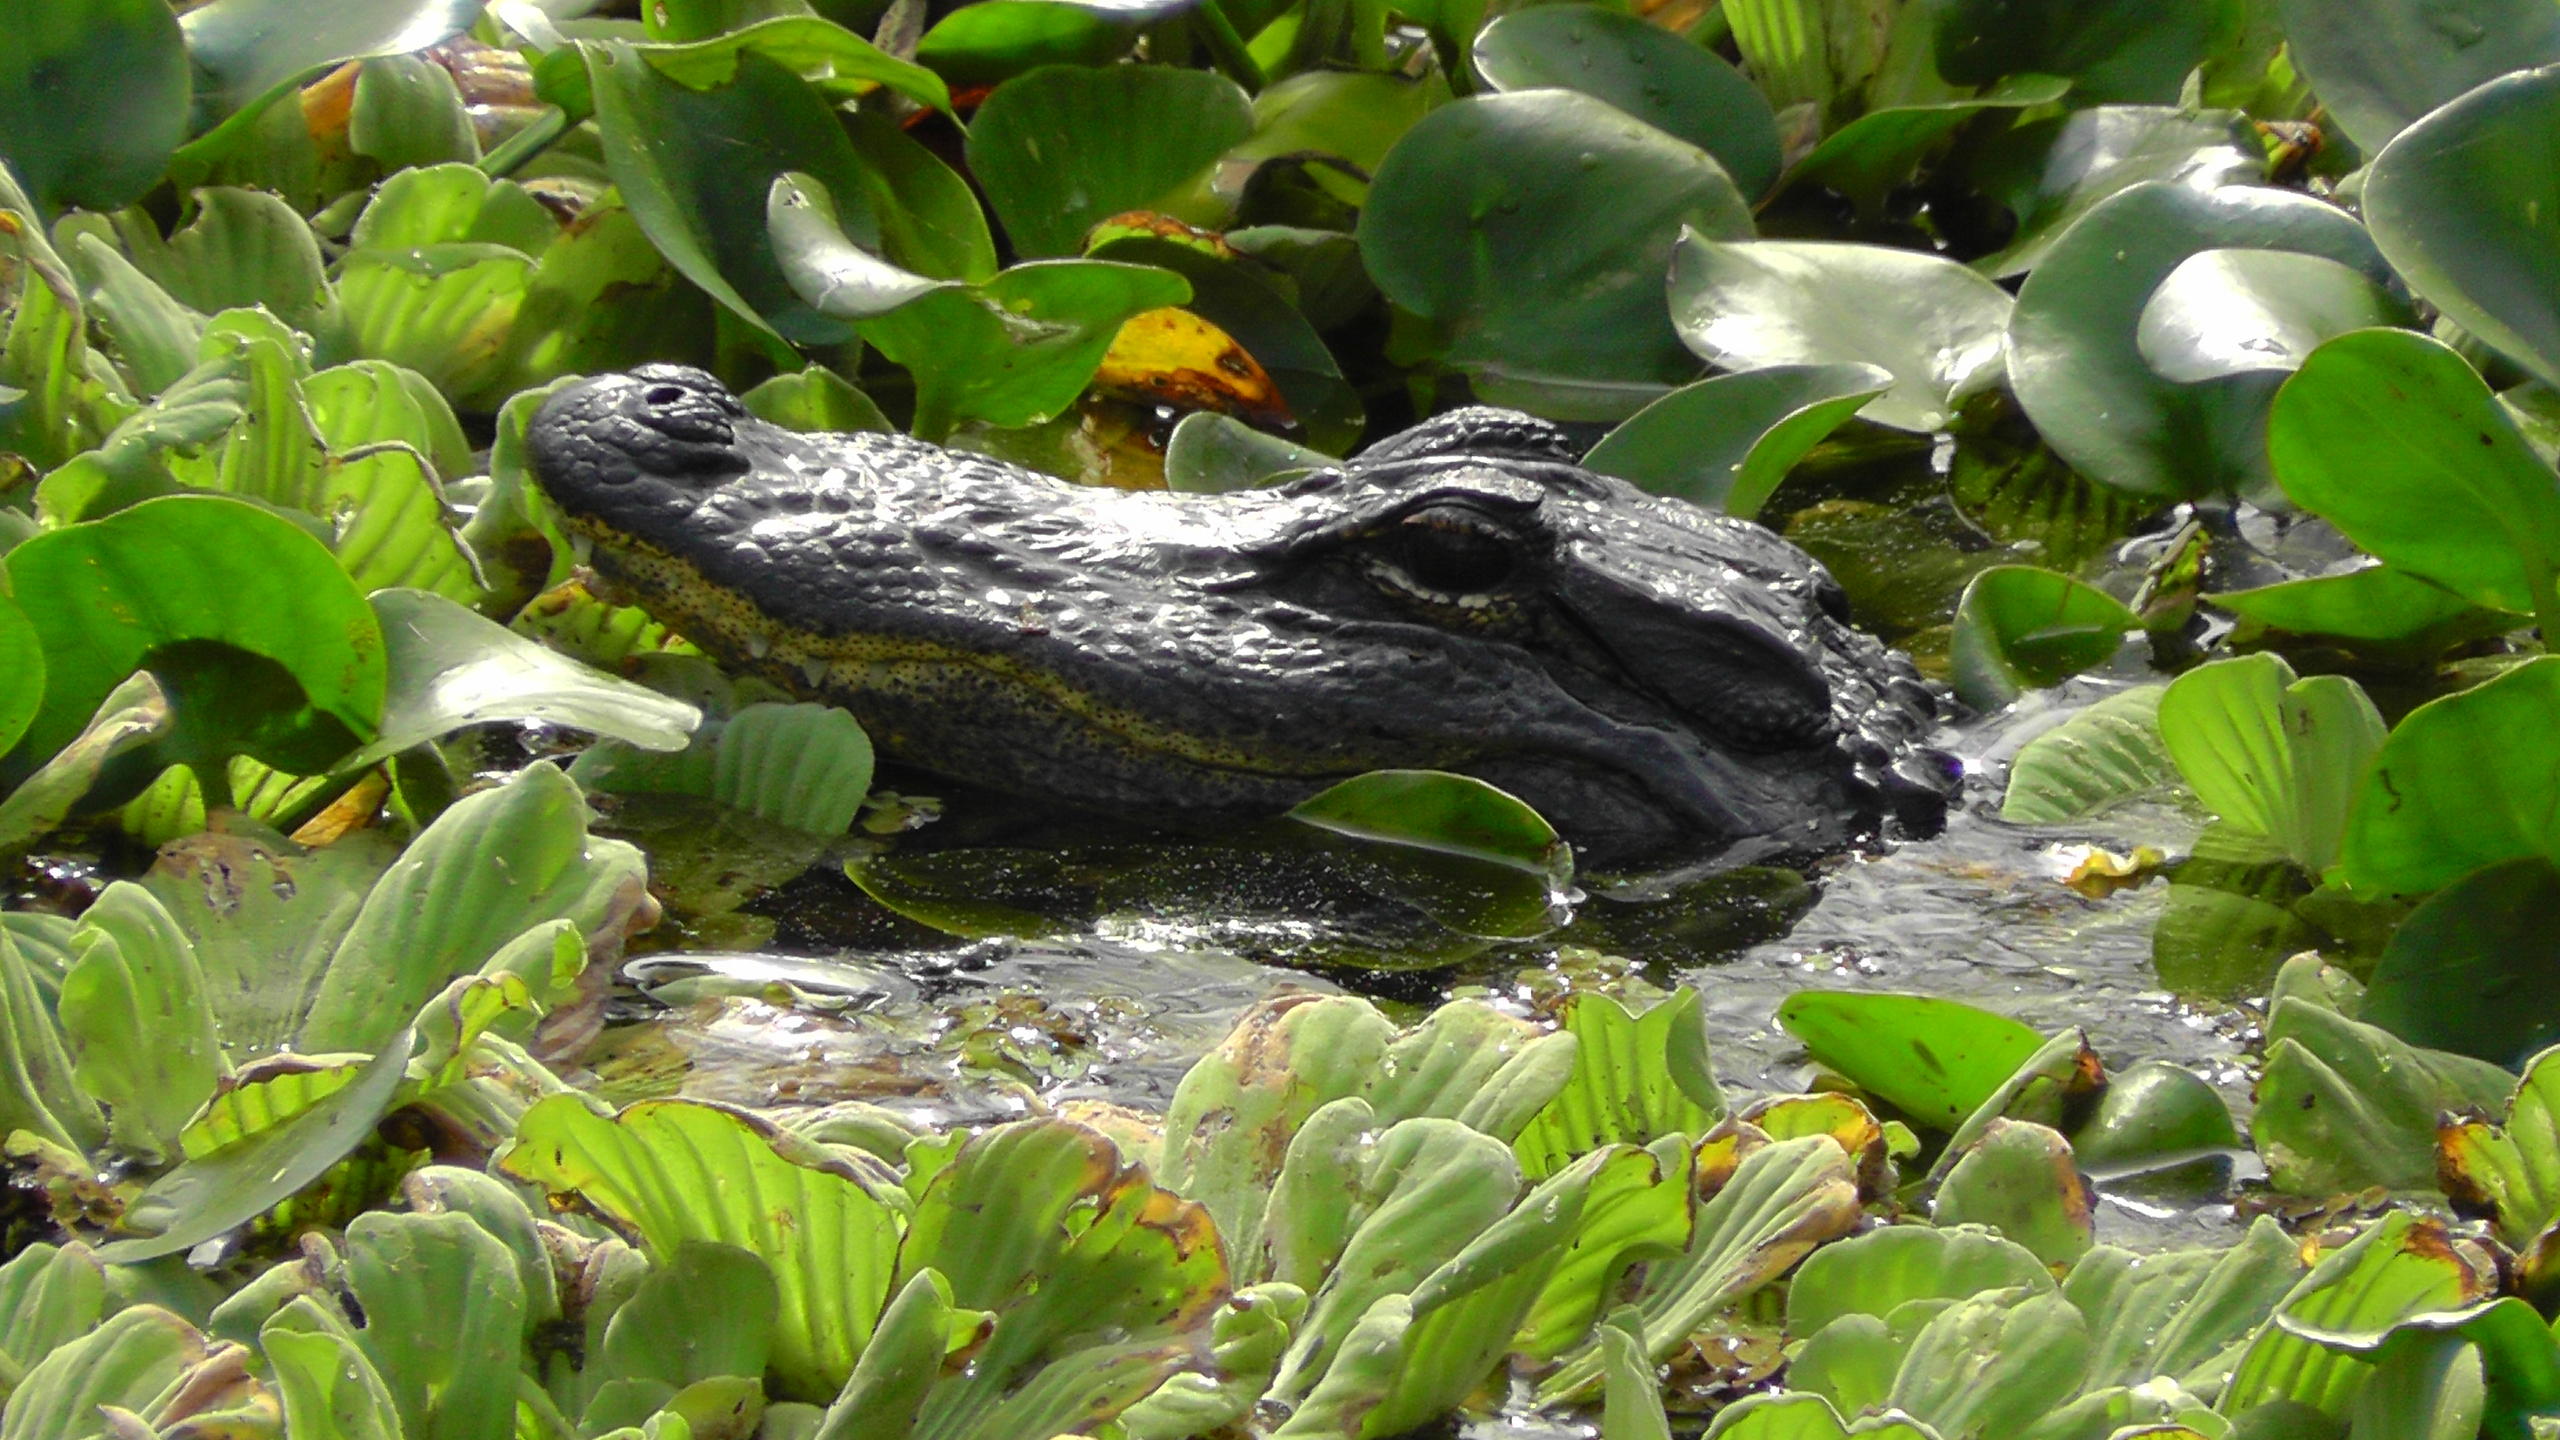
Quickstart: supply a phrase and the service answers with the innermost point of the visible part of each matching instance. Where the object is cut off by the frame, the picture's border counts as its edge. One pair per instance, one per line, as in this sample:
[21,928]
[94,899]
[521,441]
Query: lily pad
[1532,232]
[1934,325]
[1679,88]
[1727,441]
[2075,357]
[2466,212]
[2019,628]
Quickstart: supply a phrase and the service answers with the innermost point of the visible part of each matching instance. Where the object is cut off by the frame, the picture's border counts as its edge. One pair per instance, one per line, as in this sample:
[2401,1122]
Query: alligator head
[1658,681]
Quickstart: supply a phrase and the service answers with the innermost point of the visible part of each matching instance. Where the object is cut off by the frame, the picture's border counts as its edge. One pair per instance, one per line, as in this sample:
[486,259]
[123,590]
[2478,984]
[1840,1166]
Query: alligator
[1665,685]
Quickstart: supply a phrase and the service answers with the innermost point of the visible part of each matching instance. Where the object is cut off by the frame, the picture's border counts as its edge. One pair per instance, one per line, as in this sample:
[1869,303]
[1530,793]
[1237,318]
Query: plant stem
[1227,47]
[513,152]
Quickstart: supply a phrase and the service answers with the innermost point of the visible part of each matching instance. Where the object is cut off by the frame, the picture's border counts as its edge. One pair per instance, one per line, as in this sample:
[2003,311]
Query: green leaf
[263,919]
[1682,89]
[2104,753]
[1875,154]
[234,249]
[93,100]
[2075,357]
[1727,441]
[2512,1168]
[2376,604]
[448,668]
[2432,811]
[1013,351]
[2393,438]
[1932,324]
[2230,312]
[2021,1179]
[2343,1105]
[154,335]
[815,400]
[2399,1268]
[1063,147]
[2153,1114]
[1809,50]
[444,1313]
[1934,1060]
[2173,1314]
[135,1357]
[2052,172]
[1993,1364]
[1474,857]
[330,1391]
[995,40]
[134,1009]
[1636,1078]
[22,662]
[1637,1210]
[2379,65]
[53,1295]
[2138,50]
[248,53]
[694,166]
[1532,231]
[2467,970]
[372,402]
[1877,1273]
[1794,1415]
[185,586]
[804,766]
[839,63]
[408,113]
[208,1196]
[672,1171]
[1213,454]
[491,867]
[38,1091]
[46,398]
[2019,628]
[2468,220]
[2273,755]
[707,1311]
[133,718]
[1633,1404]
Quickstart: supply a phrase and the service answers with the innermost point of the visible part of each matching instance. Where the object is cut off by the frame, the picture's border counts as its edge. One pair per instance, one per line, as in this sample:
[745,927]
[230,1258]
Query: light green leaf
[2270,754]
[2020,628]
[2108,752]
[2230,312]
[1636,1079]
[2431,811]
[1935,1060]
[1682,89]
[1727,441]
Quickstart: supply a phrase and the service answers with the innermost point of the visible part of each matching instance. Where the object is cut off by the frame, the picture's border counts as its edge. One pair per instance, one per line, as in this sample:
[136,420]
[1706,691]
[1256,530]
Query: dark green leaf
[2472,968]
[1726,442]
[1870,156]
[1431,810]
[2053,172]
[2137,50]
[2378,65]
[1644,70]
[1533,230]
[2376,603]
[93,100]
[996,40]
[828,56]
[2470,215]
[409,112]
[21,673]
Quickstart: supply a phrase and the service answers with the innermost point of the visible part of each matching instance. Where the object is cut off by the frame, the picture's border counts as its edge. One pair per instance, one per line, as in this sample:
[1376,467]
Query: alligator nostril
[663,394]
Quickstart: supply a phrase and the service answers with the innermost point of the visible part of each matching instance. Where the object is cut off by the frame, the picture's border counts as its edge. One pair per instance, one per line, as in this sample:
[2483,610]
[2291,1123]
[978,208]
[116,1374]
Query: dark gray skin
[1661,683]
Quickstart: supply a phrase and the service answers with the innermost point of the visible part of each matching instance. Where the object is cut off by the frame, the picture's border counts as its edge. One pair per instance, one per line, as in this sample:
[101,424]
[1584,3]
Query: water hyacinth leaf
[835,60]
[1063,147]
[1636,1078]
[373,402]
[2511,1169]
[930,220]
[694,166]
[1934,1060]
[22,662]
[45,397]
[2022,1180]
[152,333]
[2115,50]
[2075,358]
[2466,970]
[1354,117]
[706,1311]
[1013,351]
[995,40]
[1437,811]
[2343,1105]
[190,579]
[1727,441]
[1469,1062]
[1932,324]
[2465,215]
[1825,54]
[673,1171]
[2104,754]
[2019,628]
[234,248]
[1085,1263]
[1868,158]
[2229,312]
[1234,1112]
[1650,73]
[1632,1403]
[2271,754]
[2153,1114]
[2376,604]
[448,668]
[208,1196]
[446,311]
[2051,173]
[1214,454]
[815,399]
[1781,1202]
[2172,1314]
[2431,811]
[1532,232]
[93,100]
[2396,440]
[2379,67]
[52,1294]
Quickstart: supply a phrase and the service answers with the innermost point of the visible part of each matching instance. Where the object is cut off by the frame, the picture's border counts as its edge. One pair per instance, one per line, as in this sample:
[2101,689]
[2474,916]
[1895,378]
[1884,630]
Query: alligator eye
[1452,550]
[664,394]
